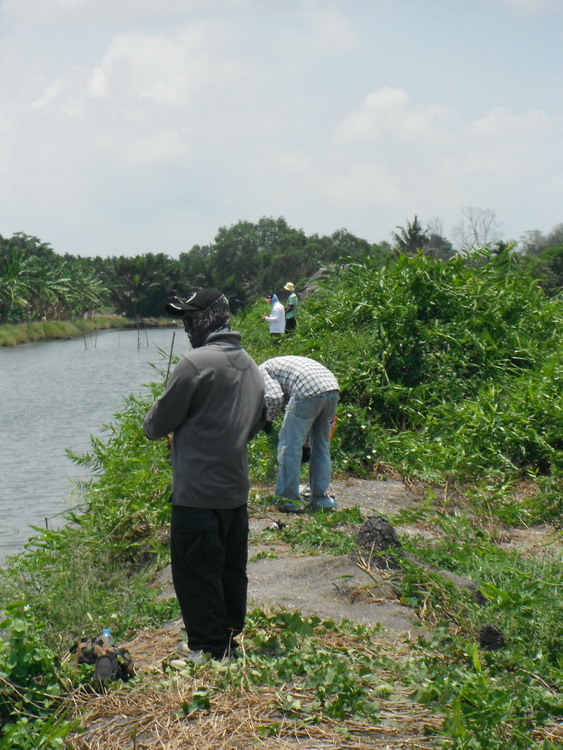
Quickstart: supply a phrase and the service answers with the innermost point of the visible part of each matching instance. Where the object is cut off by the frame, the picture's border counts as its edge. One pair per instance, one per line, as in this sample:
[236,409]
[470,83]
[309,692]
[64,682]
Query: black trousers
[209,551]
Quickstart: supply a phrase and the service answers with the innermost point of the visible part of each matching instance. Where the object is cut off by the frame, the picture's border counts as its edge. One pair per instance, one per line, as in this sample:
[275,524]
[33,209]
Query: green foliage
[288,653]
[250,260]
[138,286]
[37,284]
[541,501]
[32,686]
[128,502]
[262,453]
[547,267]
[411,238]
[454,369]
[493,698]
[74,580]
[246,260]
[487,705]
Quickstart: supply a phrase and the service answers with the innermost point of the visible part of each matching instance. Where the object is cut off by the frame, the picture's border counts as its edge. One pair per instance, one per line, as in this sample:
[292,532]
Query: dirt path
[328,586]
[336,587]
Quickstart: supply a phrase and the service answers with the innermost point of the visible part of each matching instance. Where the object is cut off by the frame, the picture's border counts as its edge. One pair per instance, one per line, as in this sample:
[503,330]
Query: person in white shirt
[276,318]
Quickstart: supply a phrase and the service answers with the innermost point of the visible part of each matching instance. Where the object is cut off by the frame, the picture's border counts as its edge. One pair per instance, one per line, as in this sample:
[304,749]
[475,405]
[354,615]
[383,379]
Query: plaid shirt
[293,377]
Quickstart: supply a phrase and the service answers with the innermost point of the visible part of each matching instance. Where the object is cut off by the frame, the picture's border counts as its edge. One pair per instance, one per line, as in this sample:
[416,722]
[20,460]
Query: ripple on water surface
[54,396]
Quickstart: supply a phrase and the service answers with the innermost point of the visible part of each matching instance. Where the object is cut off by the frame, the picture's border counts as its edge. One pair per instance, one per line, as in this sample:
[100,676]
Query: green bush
[31,686]
[448,370]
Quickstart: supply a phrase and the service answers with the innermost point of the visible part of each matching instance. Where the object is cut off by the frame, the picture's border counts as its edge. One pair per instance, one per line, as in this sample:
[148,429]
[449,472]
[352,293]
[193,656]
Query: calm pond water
[54,395]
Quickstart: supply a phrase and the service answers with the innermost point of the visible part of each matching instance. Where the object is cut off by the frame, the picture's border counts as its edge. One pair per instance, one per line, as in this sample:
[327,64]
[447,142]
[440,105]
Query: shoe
[292,506]
[195,657]
[304,491]
[323,504]
[177,663]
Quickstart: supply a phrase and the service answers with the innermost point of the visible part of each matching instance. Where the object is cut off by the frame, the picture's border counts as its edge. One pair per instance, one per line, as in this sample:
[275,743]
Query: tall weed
[448,370]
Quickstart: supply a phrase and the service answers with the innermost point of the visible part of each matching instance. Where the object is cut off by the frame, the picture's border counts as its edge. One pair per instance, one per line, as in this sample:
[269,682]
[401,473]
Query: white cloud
[144,103]
[502,123]
[329,26]
[163,70]
[167,69]
[389,112]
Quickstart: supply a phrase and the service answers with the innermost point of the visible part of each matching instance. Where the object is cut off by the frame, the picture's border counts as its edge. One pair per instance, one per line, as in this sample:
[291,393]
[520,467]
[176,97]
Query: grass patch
[320,533]
[11,335]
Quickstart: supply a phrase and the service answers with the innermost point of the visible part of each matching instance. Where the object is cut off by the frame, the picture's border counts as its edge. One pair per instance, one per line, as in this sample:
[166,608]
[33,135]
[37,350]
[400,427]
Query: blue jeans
[306,417]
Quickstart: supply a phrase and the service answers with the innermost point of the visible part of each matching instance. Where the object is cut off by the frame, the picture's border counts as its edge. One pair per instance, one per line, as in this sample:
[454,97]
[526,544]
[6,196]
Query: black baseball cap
[196,303]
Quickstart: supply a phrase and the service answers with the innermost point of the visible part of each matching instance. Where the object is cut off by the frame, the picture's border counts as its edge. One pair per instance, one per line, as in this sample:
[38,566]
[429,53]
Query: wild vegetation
[451,378]
[246,261]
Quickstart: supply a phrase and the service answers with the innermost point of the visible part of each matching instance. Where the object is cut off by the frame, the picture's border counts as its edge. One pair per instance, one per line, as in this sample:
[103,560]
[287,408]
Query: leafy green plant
[287,653]
[486,706]
[32,686]
[492,698]
[540,502]
[453,371]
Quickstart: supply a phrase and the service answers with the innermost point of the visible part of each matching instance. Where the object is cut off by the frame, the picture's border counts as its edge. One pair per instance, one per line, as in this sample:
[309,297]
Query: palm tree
[138,286]
[16,283]
[411,238]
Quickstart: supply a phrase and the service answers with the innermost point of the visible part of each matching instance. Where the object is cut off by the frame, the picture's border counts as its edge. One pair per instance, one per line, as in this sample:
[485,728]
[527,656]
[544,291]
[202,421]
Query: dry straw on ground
[151,715]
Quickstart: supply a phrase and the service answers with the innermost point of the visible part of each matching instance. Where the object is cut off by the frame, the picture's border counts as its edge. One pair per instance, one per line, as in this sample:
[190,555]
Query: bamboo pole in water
[170,358]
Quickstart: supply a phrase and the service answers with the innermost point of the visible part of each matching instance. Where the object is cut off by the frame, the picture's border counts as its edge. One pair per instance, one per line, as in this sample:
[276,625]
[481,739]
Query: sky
[135,126]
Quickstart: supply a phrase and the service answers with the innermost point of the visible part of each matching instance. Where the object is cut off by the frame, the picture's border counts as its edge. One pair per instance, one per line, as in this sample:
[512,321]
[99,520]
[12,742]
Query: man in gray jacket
[212,405]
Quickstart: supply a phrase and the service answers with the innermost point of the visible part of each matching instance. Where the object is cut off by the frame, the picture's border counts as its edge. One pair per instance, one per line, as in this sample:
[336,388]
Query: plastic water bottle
[107,637]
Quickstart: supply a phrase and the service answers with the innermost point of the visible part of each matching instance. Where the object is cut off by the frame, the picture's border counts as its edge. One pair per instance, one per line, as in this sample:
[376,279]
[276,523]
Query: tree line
[246,261]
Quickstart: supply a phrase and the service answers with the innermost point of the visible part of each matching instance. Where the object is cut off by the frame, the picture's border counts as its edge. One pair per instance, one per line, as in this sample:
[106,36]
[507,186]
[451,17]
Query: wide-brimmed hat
[195,304]
[289,287]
